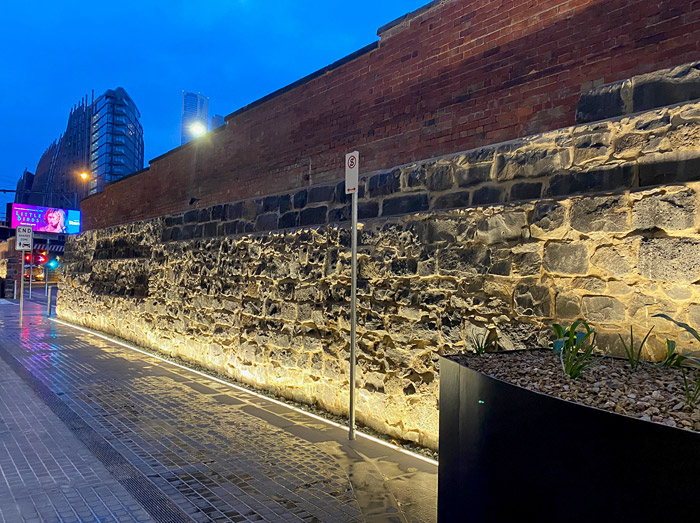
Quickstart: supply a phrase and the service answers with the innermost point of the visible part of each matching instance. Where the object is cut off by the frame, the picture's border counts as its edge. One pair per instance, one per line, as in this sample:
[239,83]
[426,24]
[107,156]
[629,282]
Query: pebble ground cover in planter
[521,441]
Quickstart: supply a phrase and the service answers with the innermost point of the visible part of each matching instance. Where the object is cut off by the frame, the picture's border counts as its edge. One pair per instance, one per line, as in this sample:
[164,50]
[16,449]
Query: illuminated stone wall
[259,289]
[273,310]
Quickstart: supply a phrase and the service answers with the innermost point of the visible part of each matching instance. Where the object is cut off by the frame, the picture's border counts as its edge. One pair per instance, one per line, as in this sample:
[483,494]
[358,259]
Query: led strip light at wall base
[248,391]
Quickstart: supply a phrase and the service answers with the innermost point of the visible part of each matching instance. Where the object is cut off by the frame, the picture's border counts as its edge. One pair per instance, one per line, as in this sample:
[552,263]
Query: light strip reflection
[242,389]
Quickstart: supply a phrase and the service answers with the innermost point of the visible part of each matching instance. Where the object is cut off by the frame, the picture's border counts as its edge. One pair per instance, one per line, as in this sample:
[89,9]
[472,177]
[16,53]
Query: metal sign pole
[353,316]
[24,240]
[31,267]
[48,302]
[352,168]
[46,267]
[21,293]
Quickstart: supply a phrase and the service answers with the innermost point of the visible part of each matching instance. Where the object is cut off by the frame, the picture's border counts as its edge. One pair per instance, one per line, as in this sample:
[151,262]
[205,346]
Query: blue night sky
[233,51]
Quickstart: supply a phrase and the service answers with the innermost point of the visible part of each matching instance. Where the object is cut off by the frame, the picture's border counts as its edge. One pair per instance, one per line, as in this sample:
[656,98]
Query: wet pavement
[139,440]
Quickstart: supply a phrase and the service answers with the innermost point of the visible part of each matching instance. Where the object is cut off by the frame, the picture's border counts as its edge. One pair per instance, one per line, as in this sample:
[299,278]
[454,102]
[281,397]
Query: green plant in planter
[634,355]
[482,344]
[574,347]
[691,395]
[673,359]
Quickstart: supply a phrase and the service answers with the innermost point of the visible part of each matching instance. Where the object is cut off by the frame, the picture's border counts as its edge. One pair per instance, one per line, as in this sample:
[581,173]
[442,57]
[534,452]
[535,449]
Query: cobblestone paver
[46,473]
[216,453]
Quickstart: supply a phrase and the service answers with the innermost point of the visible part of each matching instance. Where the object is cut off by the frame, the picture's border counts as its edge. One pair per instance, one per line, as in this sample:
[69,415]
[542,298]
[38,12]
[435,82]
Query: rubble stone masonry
[271,307]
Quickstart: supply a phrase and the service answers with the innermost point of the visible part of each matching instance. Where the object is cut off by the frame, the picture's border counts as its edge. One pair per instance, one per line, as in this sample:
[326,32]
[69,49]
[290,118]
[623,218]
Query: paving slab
[178,446]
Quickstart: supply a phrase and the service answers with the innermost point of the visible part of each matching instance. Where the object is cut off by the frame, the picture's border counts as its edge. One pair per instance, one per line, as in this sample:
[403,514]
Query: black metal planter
[511,455]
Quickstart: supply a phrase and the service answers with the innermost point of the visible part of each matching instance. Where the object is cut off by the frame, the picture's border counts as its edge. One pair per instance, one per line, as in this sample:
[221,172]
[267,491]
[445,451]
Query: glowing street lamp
[197,129]
[84,175]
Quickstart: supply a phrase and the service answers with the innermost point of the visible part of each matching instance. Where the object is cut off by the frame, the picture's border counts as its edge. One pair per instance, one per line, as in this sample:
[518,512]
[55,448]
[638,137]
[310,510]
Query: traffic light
[39,258]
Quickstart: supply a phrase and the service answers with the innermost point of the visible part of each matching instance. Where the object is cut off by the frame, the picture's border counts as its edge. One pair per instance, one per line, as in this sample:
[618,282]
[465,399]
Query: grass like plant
[574,347]
[633,354]
[482,344]
[692,395]
[673,359]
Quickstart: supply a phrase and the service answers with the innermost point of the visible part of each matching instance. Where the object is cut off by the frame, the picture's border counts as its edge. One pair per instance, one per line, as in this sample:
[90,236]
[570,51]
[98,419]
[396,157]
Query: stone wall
[272,309]
[641,150]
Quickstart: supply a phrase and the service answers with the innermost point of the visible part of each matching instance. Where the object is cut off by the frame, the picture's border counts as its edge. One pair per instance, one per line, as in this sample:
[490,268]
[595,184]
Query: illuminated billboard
[46,219]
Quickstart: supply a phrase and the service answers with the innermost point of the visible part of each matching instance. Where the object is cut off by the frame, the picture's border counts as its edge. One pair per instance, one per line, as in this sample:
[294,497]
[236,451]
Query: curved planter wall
[509,454]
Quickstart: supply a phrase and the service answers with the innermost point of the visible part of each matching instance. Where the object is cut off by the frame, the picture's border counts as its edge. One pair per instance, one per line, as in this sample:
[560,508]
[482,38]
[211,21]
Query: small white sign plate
[352,170]
[25,238]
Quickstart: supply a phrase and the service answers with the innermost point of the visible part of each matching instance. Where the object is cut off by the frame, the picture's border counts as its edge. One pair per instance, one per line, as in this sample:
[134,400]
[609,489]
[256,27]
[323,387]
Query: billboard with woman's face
[46,219]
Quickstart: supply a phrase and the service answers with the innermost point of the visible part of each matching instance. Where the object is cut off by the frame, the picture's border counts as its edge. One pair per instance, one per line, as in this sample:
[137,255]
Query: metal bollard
[14,291]
[48,303]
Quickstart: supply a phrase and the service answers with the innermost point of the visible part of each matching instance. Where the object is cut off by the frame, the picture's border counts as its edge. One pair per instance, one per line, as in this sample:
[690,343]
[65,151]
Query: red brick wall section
[460,75]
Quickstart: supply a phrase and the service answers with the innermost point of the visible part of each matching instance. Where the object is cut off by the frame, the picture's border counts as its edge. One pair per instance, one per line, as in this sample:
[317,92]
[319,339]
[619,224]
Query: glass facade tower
[116,139]
[195,110]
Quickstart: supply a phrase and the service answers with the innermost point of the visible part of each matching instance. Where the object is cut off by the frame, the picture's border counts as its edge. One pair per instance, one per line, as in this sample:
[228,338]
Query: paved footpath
[93,431]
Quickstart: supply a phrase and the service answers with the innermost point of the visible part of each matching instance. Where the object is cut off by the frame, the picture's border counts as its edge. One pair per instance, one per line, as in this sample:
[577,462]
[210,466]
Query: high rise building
[195,116]
[217,121]
[103,139]
[116,141]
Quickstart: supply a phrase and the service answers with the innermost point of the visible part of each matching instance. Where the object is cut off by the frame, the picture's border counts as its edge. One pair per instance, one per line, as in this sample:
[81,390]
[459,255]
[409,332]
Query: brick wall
[457,75]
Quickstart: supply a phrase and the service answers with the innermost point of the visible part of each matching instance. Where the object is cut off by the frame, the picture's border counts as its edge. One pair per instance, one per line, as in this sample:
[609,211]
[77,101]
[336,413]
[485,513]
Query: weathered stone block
[440,177]
[488,194]
[527,263]
[591,145]
[501,263]
[595,180]
[603,309]
[473,174]
[630,145]
[532,300]
[463,262]
[266,222]
[546,218]
[531,162]
[251,209]
[605,101]
[288,220]
[270,204]
[415,177]
[171,221]
[669,211]
[452,200]
[567,307]
[502,227]
[433,230]
[677,166]
[210,229]
[405,204]
[235,211]
[384,183]
[341,214]
[566,258]
[653,121]
[618,260]
[191,216]
[606,213]
[525,191]
[367,210]
[667,87]
[313,215]
[321,194]
[589,283]
[300,199]
[217,212]
[404,267]
[670,259]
